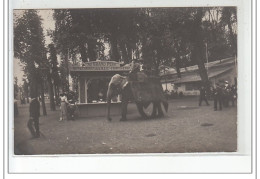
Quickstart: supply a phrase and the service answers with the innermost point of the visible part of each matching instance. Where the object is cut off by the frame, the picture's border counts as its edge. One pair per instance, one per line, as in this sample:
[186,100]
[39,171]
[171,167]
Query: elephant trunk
[109,97]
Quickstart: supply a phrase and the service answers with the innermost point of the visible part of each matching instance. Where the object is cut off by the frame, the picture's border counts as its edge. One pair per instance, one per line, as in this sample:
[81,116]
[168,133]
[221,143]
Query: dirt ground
[185,128]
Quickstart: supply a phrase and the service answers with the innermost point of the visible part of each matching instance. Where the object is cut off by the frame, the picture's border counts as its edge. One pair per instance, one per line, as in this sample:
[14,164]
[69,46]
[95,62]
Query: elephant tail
[166,105]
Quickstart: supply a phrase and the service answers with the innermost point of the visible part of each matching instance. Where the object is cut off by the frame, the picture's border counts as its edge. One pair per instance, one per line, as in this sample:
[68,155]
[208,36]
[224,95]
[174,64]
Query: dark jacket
[219,91]
[35,108]
[202,92]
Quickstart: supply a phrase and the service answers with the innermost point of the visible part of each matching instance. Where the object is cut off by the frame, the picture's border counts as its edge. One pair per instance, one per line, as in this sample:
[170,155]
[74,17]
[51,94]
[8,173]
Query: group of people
[221,94]
[66,112]
[67,106]
[173,94]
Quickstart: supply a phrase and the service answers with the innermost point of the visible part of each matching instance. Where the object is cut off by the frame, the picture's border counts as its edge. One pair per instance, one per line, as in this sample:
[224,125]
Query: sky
[48,23]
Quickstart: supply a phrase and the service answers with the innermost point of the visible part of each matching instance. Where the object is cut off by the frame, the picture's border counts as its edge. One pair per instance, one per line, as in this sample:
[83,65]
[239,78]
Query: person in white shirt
[63,107]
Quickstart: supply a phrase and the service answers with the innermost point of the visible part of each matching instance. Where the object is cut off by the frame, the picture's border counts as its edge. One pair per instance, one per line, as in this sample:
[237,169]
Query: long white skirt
[63,111]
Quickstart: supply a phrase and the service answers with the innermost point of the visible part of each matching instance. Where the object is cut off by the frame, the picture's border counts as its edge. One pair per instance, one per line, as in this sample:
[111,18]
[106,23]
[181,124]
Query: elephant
[121,85]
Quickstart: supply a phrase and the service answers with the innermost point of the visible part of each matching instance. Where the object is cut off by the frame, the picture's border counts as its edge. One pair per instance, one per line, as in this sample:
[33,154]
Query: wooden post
[86,90]
[82,90]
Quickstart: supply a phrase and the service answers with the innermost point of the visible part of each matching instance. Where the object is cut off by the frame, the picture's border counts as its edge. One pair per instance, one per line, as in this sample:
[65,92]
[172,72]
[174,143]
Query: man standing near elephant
[34,118]
[203,96]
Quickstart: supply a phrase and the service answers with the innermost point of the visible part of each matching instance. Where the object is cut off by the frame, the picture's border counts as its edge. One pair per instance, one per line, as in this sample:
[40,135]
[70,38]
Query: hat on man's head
[226,81]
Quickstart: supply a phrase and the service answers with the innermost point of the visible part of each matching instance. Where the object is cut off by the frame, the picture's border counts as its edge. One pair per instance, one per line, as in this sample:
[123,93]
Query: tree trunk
[27,95]
[124,52]
[83,53]
[33,87]
[67,74]
[56,94]
[51,95]
[91,50]
[178,64]
[129,51]
[109,97]
[233,40]
[114,50]
[197,41]
[198,50]
[178,67]
[44,112]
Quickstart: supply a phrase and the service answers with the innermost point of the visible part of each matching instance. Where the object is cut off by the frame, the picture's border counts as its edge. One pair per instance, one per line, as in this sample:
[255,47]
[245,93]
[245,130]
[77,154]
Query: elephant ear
[114,90]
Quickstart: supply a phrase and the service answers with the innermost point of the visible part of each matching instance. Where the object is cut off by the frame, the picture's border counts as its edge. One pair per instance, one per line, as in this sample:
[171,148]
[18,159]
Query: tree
[197,38]
[16,88]
[159,36]
[74,33]
[51,93]
[26,89]
[64,74]
[83,28]
[229,18]
[54,75]
[29,48]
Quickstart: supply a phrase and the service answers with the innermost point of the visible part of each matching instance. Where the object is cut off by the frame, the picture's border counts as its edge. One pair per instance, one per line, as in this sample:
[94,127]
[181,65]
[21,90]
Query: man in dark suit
[203,96]
[34,118]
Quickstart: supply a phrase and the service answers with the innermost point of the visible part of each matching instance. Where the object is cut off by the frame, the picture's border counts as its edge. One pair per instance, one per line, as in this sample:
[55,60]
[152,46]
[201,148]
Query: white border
[156,163]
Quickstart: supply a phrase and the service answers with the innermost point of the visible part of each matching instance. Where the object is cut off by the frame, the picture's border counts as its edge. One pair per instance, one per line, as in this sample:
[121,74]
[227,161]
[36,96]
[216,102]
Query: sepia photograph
[125,80]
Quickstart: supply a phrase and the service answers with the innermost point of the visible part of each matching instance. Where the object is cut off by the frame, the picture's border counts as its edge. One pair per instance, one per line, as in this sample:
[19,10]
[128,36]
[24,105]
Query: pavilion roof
[191,74]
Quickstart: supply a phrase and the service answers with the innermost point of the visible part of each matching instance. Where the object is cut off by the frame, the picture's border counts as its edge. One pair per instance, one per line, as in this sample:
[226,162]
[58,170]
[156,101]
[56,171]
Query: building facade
[93,78]
[190,81]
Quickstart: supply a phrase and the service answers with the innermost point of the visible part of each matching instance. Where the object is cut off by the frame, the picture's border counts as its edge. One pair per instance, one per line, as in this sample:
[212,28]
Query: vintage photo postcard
[135,80]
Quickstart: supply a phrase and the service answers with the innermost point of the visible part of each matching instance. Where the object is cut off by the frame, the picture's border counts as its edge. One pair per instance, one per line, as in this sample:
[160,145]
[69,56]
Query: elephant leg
[108,110]
[159,107]
[157,110]
[141,110]
[124,107]
[154,113]
[109,96]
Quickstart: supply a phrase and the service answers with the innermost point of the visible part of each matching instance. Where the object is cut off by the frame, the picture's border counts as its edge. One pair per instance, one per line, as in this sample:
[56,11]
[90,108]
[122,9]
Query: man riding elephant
[138,87]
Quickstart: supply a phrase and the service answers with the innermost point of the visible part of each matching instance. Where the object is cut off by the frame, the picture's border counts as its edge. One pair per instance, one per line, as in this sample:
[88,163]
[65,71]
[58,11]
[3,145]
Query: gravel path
[185,128]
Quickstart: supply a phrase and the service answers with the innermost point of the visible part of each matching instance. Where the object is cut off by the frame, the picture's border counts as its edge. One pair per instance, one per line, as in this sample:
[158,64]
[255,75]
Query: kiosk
[93,80]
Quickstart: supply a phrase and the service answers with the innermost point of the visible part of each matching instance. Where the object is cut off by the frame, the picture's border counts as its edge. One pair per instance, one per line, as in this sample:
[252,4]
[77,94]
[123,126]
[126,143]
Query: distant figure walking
[63,107]
[34,118]
[203,96]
